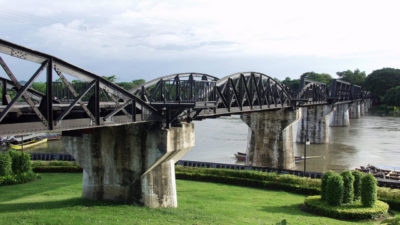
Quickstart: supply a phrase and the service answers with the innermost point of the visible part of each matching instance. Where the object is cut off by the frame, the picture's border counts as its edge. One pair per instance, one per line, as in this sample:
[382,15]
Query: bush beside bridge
[15,168]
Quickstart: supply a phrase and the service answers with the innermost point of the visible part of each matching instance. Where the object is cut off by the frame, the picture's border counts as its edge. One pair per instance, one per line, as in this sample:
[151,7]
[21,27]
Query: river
[369,140]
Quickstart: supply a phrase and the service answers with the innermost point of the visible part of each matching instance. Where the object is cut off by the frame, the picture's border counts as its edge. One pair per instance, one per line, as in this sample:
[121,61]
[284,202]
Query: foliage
[353,211]
[111,78]
[320,77]
[357,77]
[292,84]
[357,184]
[348,188]
[57,169]
[21,161]
[392,96]
[39,86]
[5,165]
[368,190]
[130,85]
[334,190]
[379,81]
[251,178]
[18,178]
[324,183]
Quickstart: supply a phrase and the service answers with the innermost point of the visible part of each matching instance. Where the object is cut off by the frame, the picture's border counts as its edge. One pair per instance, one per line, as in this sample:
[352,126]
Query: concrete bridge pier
[132,164]
[315,119]
[270,141]
[340,116]
[362,108]
[355,110]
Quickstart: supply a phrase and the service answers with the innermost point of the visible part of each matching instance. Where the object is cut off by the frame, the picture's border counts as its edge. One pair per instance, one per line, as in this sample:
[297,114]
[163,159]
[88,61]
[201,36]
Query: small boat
[28,143]
[240,156]
[383,172]
[53,137]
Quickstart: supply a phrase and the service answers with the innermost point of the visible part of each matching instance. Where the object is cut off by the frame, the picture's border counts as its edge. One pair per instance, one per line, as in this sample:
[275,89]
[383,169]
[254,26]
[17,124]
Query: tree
[379,81]
[392,96]
[138,82]
[357,77]
[320,77]
[292,84]
[111,78]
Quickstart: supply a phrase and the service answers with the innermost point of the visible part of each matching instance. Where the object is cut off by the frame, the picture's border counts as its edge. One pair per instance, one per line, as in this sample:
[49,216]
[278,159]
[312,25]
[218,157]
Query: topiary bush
[348,189]
[357,184]
[21,162]
[368,190]
[334,190]
[5,165]
[324,183]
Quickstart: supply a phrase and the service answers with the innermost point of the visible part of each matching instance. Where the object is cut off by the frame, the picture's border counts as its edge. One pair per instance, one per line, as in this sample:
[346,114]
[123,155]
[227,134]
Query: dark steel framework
[169,99]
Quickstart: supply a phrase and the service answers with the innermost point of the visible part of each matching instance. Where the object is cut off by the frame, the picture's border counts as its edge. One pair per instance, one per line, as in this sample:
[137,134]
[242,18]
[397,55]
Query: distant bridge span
[169,99]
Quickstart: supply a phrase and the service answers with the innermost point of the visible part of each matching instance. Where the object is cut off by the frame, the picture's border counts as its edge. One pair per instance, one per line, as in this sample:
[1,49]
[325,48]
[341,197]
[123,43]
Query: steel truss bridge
[97,102]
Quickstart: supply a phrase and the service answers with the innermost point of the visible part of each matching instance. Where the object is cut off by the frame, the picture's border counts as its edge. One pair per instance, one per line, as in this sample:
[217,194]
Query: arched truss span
[251,90]
[313,92]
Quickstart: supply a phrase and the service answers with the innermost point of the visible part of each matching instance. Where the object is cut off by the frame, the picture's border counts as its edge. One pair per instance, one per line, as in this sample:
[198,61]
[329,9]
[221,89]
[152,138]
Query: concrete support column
[362,108]
[131,163]
[355,110]
[340,116]
[317,120]
[270,141]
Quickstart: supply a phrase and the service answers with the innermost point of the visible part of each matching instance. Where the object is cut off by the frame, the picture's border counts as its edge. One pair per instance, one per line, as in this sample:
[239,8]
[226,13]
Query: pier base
[130,163]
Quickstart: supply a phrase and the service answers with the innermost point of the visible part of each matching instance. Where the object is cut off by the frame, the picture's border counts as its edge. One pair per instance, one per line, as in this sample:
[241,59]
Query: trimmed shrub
[353,211]
[21,162]
[324,183]
[348,189]
[357,184]
[5,165]
[334,190]
[368,190]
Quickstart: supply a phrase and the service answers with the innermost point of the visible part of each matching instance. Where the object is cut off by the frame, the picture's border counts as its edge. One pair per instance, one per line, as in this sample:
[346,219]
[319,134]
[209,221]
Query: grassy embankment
[55,199]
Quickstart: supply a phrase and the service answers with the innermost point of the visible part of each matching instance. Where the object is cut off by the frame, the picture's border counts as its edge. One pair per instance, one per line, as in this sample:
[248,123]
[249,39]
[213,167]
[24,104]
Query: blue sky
[147,39]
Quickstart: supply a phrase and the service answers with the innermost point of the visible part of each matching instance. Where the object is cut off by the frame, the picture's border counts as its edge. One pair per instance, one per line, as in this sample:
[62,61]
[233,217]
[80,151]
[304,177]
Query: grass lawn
[55,199]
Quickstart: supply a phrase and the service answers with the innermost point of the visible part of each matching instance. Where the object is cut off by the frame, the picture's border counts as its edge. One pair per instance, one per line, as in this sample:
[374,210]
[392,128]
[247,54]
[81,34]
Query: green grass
[55,199]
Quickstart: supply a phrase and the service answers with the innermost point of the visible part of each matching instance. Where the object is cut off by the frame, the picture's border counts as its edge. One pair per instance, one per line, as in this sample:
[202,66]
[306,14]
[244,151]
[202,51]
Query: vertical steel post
[97,102]
[4,93]
[49,94]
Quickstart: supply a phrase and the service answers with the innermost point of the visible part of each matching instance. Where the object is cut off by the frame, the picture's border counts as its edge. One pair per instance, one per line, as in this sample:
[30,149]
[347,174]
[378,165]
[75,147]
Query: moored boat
[28,143]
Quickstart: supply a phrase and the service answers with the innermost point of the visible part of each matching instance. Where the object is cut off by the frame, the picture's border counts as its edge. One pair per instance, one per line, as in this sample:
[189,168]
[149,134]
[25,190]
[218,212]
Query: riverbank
[55,199]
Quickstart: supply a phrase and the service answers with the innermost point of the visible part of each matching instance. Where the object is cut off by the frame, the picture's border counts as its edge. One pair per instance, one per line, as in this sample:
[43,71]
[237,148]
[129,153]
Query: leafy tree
[111,78]
[392,96]
[357,77]
[320,77]
[138,82]
[39,86]
[379,81]
[292,84]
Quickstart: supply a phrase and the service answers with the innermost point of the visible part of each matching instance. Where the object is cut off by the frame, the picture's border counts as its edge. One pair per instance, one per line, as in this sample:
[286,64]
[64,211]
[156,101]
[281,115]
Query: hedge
[353,211]
[240,177]
[357,184]
[368,190]
[348,186]
[324,183]
[21,161]
[5,165]
[18,178]
[334,190]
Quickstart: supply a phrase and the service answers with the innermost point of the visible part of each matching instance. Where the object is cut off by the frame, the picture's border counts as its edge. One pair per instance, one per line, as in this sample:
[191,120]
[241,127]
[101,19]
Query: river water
[368,140]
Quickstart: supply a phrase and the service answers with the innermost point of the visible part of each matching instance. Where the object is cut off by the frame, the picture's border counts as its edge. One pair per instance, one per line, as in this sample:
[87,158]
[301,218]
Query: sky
[148,39]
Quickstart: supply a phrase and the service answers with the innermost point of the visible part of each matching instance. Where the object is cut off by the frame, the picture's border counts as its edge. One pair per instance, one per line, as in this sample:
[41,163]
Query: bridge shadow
[66,203]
